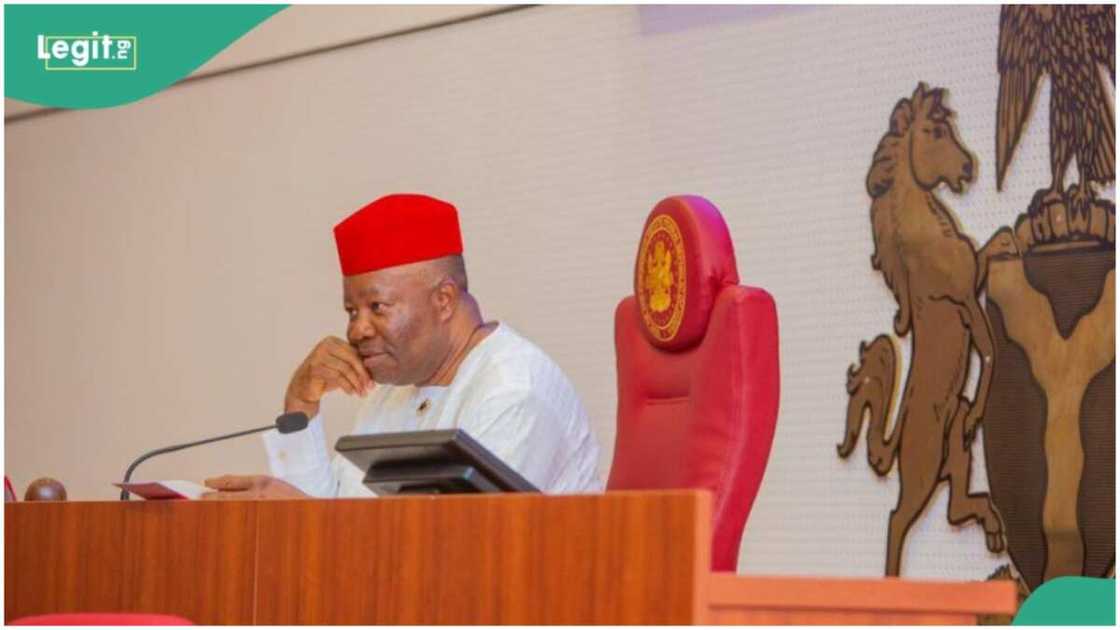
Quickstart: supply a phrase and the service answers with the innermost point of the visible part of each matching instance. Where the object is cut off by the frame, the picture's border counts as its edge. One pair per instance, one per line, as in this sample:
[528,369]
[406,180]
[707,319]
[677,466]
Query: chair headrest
[685,258]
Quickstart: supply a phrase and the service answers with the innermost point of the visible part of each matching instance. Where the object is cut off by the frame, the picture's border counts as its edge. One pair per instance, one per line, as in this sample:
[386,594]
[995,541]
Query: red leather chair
[697,370]
[102,619]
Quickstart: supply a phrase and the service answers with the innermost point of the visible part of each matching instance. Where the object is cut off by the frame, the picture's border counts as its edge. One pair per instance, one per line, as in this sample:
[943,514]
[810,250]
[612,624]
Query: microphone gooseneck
[286,423]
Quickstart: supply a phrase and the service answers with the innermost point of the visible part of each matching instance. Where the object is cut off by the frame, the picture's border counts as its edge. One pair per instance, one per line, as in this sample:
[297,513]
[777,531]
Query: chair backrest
[698,381]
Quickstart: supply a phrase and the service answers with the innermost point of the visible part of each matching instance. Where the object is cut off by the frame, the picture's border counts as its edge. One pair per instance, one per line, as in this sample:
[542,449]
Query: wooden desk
[617,558]
[745,600]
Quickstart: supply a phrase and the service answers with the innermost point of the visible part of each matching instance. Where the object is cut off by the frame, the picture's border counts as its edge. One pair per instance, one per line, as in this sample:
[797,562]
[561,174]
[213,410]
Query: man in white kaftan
[421,357]
[507,394]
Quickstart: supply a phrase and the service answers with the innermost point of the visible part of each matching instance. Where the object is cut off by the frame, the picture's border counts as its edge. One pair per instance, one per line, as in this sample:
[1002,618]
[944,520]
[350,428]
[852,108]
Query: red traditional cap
[396,230]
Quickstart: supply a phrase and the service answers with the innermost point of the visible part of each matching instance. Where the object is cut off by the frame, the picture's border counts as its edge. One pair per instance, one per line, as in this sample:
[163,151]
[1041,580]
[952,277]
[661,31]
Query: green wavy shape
[149,47]
[1072,600]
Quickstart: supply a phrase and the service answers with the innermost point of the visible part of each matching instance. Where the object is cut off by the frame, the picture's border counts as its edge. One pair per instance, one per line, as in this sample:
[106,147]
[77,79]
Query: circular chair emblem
[685,259]
[661,278]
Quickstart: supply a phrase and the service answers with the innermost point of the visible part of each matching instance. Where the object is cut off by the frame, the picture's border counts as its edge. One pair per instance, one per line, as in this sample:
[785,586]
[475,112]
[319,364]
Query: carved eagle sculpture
[1071,44]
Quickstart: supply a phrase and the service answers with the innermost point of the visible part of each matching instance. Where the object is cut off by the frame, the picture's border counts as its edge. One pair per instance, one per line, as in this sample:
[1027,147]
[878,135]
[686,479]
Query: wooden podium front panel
[62,557]
[194,559]
[517,559]
[614,558]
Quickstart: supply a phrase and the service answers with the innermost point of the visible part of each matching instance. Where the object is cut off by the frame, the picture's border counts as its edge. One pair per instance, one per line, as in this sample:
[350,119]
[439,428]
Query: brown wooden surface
[615,558]
[194,559]
[628,557]
[809,617]
[740,600]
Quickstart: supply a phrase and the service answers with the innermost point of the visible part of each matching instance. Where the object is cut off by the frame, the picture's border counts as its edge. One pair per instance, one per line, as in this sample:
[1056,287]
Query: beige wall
[169,262]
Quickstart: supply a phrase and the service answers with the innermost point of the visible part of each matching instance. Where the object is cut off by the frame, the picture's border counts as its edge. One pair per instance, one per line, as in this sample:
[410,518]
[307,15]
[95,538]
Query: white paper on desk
[159,490]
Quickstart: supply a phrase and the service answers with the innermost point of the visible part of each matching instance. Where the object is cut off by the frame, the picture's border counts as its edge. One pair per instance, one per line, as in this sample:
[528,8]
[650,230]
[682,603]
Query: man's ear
[445,298]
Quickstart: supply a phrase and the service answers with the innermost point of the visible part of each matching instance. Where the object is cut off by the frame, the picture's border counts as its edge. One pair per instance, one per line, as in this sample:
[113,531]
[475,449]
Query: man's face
[394,324]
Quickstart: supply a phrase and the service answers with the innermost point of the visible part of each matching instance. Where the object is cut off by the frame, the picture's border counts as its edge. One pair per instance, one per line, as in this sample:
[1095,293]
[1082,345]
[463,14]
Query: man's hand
[333,364]
[242,487]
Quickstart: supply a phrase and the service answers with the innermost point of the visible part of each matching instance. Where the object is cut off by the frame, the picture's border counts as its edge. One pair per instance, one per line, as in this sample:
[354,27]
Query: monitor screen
[429,462]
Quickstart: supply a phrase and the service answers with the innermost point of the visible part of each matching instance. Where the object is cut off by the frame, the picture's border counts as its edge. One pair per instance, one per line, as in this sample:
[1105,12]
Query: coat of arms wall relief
[1035,304]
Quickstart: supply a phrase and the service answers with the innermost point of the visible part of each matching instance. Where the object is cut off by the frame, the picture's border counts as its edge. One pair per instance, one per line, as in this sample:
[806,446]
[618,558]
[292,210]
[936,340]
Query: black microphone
[286,423]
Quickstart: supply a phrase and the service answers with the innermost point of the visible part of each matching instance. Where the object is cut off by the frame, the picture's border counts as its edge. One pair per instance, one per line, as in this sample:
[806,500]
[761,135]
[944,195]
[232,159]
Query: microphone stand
[179,447]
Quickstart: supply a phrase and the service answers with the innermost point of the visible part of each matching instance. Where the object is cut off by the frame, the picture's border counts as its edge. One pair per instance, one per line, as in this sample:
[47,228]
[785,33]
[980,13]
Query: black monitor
[429,462]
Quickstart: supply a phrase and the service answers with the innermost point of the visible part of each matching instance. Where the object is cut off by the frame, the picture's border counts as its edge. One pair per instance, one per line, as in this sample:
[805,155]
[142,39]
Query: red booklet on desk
[162,490]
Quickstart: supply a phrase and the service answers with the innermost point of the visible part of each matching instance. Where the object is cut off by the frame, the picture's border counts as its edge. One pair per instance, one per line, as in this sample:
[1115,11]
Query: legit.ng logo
[88,52]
